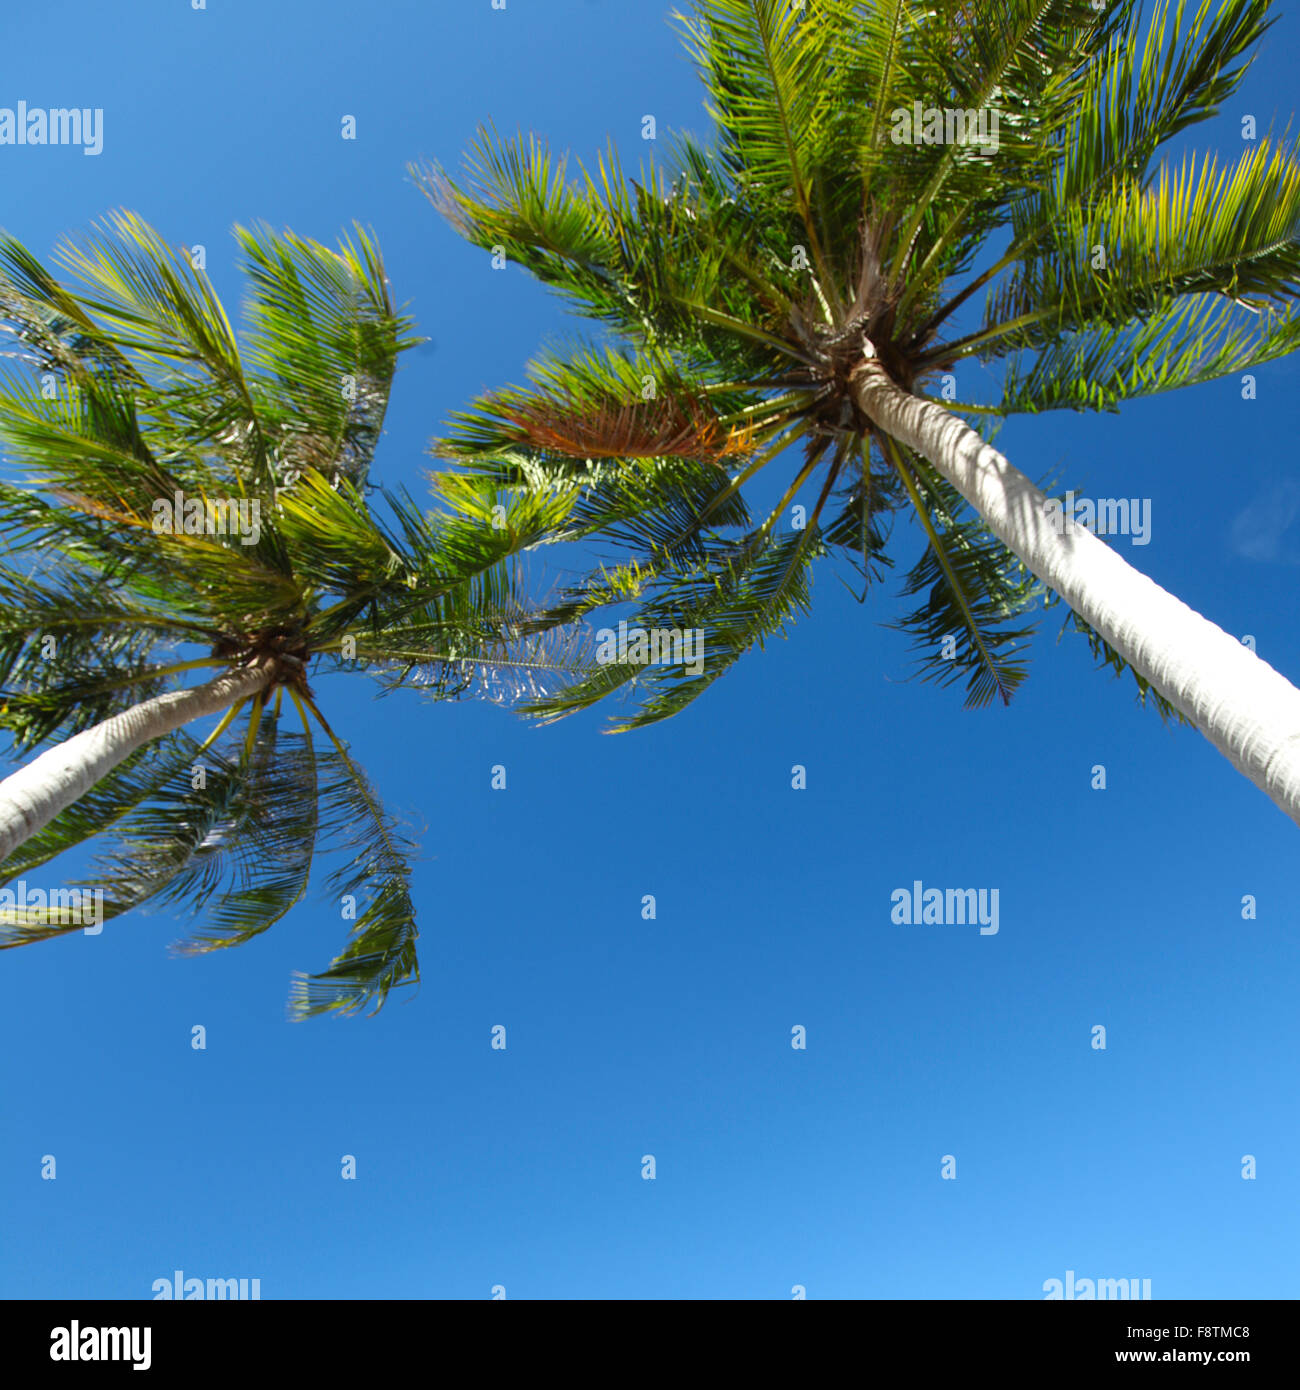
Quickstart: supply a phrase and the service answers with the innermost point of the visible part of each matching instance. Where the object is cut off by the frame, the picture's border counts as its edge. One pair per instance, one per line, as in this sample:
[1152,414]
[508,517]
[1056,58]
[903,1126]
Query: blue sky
[775,1168]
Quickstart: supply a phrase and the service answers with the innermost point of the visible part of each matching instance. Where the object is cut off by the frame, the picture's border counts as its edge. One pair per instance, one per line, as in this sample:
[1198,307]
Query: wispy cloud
[1260,530]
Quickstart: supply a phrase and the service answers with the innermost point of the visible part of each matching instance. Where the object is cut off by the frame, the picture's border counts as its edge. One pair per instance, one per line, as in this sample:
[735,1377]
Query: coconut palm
[811,279]
[189,504]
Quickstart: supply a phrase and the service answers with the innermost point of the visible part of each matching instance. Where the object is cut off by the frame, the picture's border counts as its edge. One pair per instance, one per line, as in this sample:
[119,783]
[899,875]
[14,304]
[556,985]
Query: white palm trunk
[31,797]
[1247,710]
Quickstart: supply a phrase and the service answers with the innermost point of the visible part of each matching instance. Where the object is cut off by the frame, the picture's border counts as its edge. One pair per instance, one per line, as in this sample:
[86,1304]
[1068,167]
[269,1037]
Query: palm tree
[811,279]
[188,504]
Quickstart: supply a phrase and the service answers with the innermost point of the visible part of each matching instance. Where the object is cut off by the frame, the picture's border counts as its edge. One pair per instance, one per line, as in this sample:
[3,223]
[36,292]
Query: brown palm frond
[677,426]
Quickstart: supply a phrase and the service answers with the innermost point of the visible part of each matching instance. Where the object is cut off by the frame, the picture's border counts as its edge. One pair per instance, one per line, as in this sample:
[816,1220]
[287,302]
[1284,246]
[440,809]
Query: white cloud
[1260,530]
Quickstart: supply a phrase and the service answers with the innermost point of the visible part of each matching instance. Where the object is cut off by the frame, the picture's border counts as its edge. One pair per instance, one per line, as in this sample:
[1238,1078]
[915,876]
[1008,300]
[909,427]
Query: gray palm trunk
[31,797]
[1249,712]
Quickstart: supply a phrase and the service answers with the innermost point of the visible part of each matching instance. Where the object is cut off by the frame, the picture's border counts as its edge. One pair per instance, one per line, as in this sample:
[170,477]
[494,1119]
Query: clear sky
[775,1167]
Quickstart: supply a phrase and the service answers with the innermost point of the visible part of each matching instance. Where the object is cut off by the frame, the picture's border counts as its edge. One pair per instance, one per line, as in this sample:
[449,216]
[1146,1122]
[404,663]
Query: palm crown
[128,400]
[740,282]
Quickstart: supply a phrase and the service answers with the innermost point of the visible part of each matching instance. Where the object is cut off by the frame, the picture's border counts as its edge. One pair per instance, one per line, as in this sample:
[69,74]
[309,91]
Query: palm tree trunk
[31,797]
[1247,710]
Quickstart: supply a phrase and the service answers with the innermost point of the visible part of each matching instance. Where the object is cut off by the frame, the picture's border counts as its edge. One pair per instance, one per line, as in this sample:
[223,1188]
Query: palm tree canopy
[126,390]
[737,284]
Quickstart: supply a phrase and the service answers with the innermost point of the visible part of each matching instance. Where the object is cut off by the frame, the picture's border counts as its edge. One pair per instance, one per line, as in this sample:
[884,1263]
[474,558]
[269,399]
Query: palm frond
[375,877]
[1192,339]
[1231,230]
[325,335]
[126,787]
[973,585]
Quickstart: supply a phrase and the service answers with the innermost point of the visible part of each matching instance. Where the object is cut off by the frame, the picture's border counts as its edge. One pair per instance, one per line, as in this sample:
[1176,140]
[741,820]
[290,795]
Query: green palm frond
[190,502]
[1011,58]
[141,776]
[324,329]
[1190,340]
[973,587]
[860,529]
[763,63]
[518,198]
[673,268]
[181,843]
[204,848]
[698,620]
[1229,230]
[269,835]
[373,882]
[148,294]
[1141,92]
[746,274]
